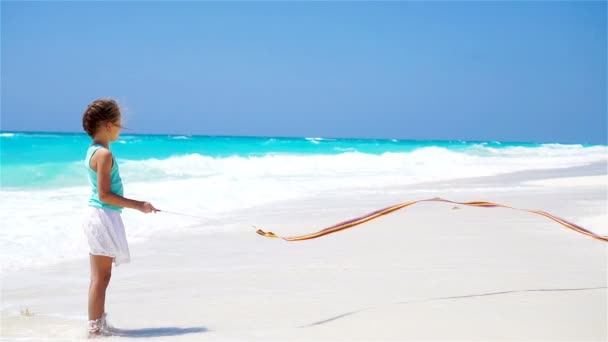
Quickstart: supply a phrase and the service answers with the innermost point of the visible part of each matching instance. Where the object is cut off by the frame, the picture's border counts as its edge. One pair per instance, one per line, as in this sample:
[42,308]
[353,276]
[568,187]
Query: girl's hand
[146,207]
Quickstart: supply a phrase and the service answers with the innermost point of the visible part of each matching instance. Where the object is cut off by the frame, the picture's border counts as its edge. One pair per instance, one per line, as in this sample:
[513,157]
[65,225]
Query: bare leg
[101,271]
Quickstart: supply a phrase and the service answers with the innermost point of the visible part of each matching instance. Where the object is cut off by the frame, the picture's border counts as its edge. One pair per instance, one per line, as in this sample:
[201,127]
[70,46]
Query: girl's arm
[103,161]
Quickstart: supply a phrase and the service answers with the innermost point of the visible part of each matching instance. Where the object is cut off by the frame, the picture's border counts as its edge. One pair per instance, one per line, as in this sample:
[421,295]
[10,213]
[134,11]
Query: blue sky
[508,71]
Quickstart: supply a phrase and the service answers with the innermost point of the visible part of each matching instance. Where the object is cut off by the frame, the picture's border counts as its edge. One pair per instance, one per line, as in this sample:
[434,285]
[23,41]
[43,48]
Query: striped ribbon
[365,218]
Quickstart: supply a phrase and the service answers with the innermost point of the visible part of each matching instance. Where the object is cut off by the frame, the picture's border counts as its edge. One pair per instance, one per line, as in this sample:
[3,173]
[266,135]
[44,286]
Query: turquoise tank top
[115,181]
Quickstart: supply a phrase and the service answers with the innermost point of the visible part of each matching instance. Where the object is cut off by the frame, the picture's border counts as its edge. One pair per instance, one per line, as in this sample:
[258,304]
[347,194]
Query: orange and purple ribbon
[373,215]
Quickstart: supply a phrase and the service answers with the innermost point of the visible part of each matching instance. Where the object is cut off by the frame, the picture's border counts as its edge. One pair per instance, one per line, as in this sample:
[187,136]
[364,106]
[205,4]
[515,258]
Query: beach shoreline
[432,271]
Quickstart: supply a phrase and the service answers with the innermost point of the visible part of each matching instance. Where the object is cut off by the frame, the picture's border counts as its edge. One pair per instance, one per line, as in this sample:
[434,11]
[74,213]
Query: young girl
[103,224]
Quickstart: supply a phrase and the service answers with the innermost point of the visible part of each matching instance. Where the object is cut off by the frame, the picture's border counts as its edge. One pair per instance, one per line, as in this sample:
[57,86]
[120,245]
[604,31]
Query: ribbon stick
[373,215]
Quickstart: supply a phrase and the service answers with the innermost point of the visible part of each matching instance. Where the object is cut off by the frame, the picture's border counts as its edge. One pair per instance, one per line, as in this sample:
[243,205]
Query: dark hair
[97,112]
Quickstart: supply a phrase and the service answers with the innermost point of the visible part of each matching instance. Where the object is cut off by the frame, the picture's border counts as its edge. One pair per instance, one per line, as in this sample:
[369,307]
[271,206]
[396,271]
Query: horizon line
[326,138]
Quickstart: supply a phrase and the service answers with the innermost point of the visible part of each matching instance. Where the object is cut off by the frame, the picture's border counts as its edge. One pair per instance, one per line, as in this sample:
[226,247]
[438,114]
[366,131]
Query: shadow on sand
[156,332]
[450,298]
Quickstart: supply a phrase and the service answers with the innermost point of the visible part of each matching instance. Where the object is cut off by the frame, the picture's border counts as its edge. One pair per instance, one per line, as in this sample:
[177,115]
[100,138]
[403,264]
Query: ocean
[44,186]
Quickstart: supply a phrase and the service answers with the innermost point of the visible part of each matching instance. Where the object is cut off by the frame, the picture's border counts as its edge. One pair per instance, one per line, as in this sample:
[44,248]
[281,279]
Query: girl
[103,224]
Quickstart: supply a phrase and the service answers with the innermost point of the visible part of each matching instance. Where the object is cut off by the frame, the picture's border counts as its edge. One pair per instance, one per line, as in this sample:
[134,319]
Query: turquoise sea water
[49,160]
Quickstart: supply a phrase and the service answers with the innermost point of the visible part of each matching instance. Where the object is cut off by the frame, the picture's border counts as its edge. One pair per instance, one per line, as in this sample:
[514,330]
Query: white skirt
[106,234]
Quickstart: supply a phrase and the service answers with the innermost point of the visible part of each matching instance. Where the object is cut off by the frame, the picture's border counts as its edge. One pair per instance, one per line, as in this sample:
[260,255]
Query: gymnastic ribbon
[378,213]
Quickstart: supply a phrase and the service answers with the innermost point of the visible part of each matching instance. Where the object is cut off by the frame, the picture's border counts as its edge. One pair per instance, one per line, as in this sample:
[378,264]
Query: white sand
[595,181]
[428,272]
